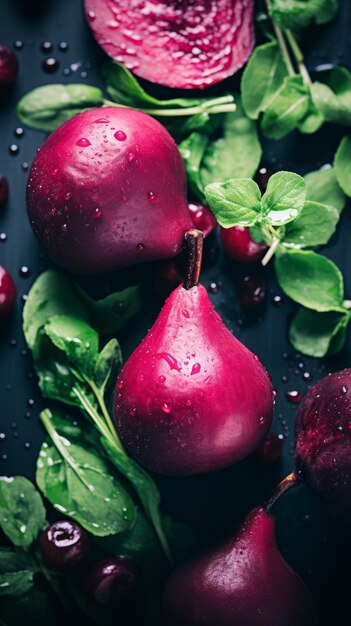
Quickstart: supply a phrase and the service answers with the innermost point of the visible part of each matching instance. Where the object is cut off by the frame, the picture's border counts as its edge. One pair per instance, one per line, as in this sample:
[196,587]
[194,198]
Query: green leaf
[318,334]
[263,76]
[76,339]
[110,314]
[192,150]
[312,121]
[16,573]
[236,201]
[313,227]
[284,198]
[296,14]
[288,107]
[109,361]
[47,107]
[310,279]
[342,165]
[22,513]
[333,97]
[81,484]
[236,154]
[322,186]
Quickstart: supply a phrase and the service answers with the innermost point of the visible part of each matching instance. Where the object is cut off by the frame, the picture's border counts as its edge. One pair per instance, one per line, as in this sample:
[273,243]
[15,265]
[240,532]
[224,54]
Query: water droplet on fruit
[151,196]
[344,389]
[161,379]
[166,408]
[131,157]
[101,120]
[91,15]
[132,412]
[293,396]
[140,247]
[186,313]
[83,142]
[262,420]
[64,228]
[120,135]
[195,369]
[170,360]
[96,213]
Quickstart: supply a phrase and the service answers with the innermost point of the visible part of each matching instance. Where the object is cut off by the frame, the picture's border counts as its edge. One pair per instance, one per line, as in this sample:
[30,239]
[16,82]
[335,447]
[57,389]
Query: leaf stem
[90,410]
[281,41]
[271,251]
[299,58]
[108,420]
[194,110]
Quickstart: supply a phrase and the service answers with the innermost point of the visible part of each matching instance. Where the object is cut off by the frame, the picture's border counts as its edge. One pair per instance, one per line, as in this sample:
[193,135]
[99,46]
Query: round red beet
[64,545]
[8,66]
[179,43]
[107,190]
[239,245]
[323,440]
[7,293]
[114,581]
[202,217]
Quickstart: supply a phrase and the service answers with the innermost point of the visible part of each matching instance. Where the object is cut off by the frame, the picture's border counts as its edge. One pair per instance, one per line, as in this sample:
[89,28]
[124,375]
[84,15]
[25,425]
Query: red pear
[243,582]
[192,398]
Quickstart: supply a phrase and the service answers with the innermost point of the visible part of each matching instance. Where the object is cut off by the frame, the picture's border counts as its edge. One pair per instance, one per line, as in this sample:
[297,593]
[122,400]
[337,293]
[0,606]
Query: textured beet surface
[191,398]
[323,440]
[108,189]
[179,43]
[243,582]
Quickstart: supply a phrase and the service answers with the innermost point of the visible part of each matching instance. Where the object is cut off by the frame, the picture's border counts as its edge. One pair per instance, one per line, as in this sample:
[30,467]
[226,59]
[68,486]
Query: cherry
[168,275]
[8,66]
[4,190]
[7,292]
[64,545]
[251,289]
[113,581]
[239,245]
[262,177]
[270,449]
[202,218]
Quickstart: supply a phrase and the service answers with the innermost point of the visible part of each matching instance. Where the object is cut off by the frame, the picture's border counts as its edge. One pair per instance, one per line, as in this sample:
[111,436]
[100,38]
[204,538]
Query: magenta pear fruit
[243,582]
[191,398]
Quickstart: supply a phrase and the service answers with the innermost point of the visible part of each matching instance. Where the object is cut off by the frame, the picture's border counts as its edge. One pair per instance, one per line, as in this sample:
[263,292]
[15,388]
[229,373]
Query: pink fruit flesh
[191,398]
[239,245]
[323,440]
[182,43]
[202,218]
[244,582]
[7,293]
[108,189]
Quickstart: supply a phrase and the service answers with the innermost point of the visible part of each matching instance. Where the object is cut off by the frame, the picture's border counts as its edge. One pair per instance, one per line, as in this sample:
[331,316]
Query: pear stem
[194,239]
[291,480]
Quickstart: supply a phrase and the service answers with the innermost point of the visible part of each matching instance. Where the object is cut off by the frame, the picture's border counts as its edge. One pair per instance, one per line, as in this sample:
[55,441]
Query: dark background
[316,544]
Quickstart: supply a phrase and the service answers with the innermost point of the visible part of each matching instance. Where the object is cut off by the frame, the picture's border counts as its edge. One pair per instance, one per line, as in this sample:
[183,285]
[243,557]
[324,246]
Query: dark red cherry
[4,190]
[64,545]
[202,217]
[8,66]
[262,177]
[7,292]
[239,245]
[251,289]
[168,275]
[114,581]
[270,449]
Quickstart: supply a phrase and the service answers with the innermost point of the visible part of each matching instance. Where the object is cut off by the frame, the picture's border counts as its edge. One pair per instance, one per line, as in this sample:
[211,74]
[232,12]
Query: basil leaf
[263,76]
[312,121]
[236,201]
[110,314]
[284,198]
[16,573]
[333,97]
[313,227]
[288,107]
[318,334]
[47,107]
[22,513]
[192,150]
[109,361]
[295,14]
[310,279]
[76,339]
[236,154]
[342,164]
[322,186]
[81,484]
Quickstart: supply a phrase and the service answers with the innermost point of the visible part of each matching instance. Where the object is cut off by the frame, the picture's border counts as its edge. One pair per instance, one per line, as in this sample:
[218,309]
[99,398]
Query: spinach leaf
[192,150]
[108,362]
[342,165]
[288,107]
[111,313]
[313,227]
[322,186]
[263,76]
[236,201]
[236,154]
[22,513]
[284,198]
[318,334]
[296,14]
[82,485]
[47,107]
[76,339]
[16,573]
[310,279]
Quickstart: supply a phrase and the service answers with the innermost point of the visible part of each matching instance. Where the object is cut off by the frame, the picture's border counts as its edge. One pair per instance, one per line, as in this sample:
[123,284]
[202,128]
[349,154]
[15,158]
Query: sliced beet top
[179,43]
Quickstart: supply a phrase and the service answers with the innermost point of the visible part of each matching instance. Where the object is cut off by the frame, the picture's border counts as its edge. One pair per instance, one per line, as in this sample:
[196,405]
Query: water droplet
[132,412]
[263,420]
[344,389]
[170,360]
[140,247]
[166,408]
[91,15]
[293,396]
[151,196]
[83,142]
[131,157]
[64,228]
[186,313]
[278,301]
[96,213]
[195,369]
[101,120]
[213,287]
[188,403]
[161,379]
[13,149]
[24,271]
[120,135]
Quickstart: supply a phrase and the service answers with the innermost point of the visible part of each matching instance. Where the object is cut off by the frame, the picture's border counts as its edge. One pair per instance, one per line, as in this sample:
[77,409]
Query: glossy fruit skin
[243,582]
[239,245]
[7,293]
[191,398]
[8,66]
[111,181]
[182,44]
[323,440]
[202,218]
[64,545]
[114,581]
